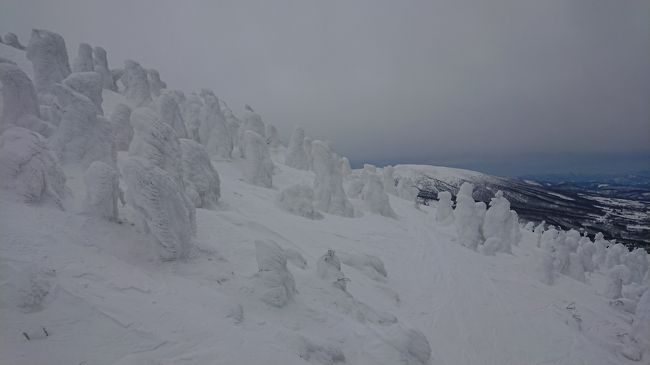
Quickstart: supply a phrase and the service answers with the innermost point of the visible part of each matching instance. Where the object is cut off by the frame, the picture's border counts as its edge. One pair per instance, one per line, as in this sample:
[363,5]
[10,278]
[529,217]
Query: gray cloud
[410,81]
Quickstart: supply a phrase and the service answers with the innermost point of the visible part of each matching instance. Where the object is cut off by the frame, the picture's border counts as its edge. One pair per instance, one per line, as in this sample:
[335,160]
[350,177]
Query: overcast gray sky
[471,83]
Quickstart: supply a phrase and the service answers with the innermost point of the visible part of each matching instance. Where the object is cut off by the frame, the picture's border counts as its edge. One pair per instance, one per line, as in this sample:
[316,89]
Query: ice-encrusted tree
[11,39]
[328,267]
[252,122]
[346,170]
[328,184]
[122,129]
[614,254]
[272,138]
[497,225]
[155,83]
[191,109]
[600,255]
[88,84]
[100,65]
[202,184]
[258,167]
[299,200]
[46,50]
[278,282]
[308,146]
[102,191]
[616,277]
[444,211]
[388,175]
[170,112]
[296,155]
[213,132]
[28,169]
[375,197]
[84,60]
[19,102]
[406,188]
[136,84]
[82,136]
[641,322]
[233,123]
[160,203]
[466,216]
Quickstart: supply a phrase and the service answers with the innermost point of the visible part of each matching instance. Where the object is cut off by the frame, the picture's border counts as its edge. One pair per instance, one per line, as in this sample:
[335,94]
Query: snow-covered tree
[88,84]
[641,323]
[191,109]
[406,188]
[576,267]
[444,211]
[160,203]
[28,169]
[170,112]
[328,267]
[467,221]
[539,230]
[637,262]
[11,39]
[136,84]
[122,129]
[213,132]
[155,83]
[299,200]
[258,167]
[308,146]
[46,50]
[600,254]
[278,282]
[84,60]
[328,185]
[617,276]
[19,103]
[100,65]
[345,167]
[388,175]
[374,196]
[272,138]
[201,180]
[252,122]
[296,155]
[102,191]
[82,136]
[614,254]
[498,223]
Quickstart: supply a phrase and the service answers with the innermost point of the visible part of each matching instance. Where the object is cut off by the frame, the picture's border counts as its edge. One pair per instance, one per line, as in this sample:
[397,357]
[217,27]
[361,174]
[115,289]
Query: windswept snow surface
[89,291]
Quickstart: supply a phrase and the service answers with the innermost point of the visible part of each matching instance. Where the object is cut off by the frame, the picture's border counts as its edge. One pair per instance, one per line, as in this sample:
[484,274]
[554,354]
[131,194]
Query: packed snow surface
[255,282]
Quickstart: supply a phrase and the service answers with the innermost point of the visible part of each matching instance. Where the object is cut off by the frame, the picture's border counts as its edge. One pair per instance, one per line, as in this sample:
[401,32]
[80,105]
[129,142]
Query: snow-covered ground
[77,289]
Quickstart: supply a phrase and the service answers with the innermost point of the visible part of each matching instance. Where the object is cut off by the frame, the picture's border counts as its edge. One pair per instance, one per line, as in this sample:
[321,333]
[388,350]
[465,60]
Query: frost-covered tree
[600,254]
[84,60]
[202,184]
[100,65]
[82,136]
[498,223]
[308,146]
[28,169]
[170,112]
[296,155]
[576,267]
[585,253]
[374,196]
[136,84]
[299,200]
[155,83]
[191,109]
[252,122]
[46,50]
[122,129]
[406,188]
[641,322]
[278,282]
[88,84]
[346,170]
[328,267]
[102,191]
[213,132]
[272,138]
[617,276]
[467,221]
[614,254]
[233,123]
[547,267]
[11,39]
[160,203]
[637,262]
[444,211]
[258,167]
[328,185]
[19,104]
[538,231]
[388,175]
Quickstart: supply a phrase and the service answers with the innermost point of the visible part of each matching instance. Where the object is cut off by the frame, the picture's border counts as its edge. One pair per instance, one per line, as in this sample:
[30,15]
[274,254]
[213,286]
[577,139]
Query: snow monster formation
[46,50]
[122,129]
[136,84]
[328,185]
[200,178]
[467,220]
[258,167]
[298,200]
[170,113]
[296,155]
[88,84]
[102,191]
[84,60]
[277,281]
[28,170]
[100,65]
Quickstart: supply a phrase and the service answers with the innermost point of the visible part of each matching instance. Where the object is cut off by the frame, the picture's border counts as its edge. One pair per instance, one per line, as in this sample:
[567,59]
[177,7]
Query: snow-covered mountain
[140,225]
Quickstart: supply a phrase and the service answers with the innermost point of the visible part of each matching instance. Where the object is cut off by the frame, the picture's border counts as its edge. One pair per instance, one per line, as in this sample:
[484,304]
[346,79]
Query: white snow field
[78,288]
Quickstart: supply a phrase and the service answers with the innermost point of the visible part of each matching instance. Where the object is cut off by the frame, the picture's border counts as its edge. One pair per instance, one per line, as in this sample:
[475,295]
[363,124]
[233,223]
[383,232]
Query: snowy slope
[80,290]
